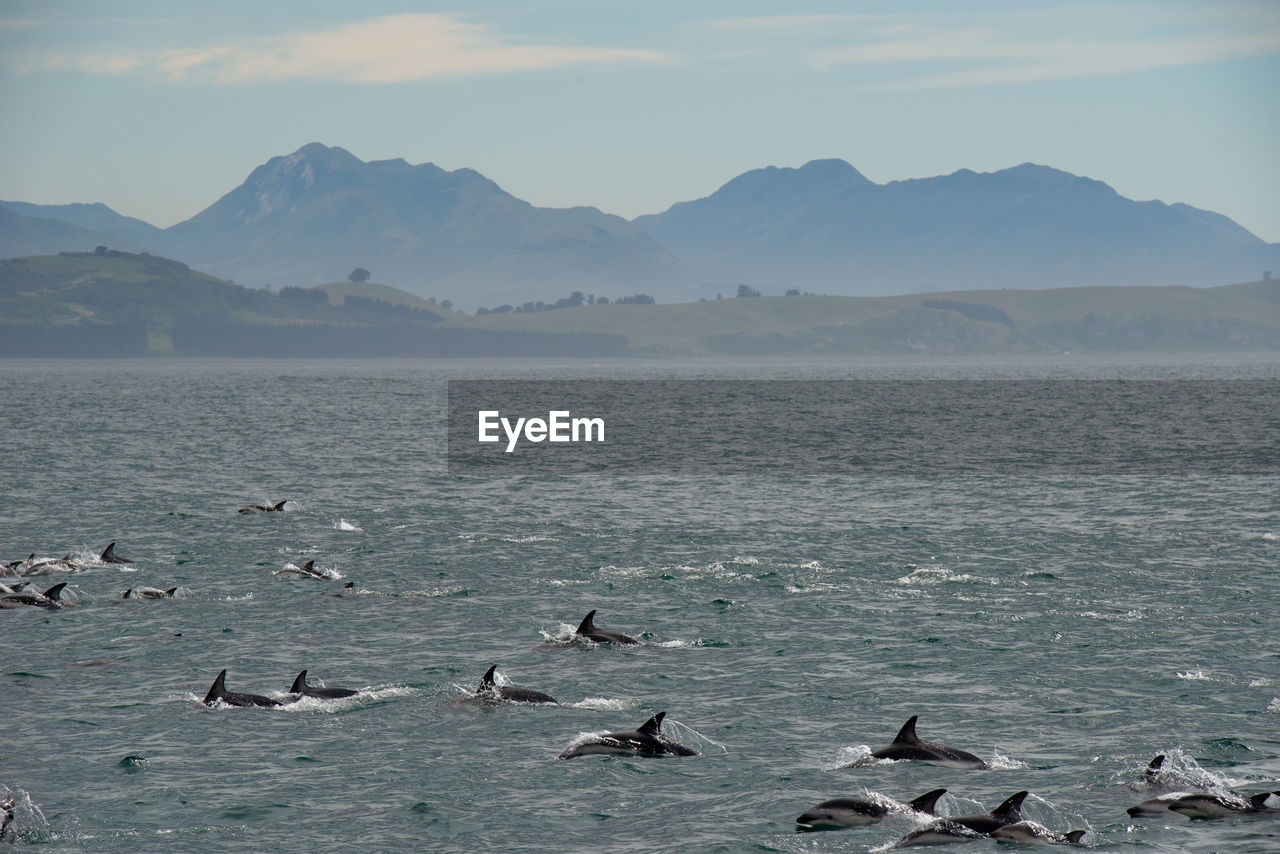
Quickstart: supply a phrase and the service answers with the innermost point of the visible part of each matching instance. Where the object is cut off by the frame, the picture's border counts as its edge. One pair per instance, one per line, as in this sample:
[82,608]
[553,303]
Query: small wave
[1125,617]
[344,525]
[929,575]
[605,704]
[1270,536]
[1000,762]
[855,757]
[1263,683]
[533,538]
[245,598]
[329,707]
[1274,705]
[1195,676]
[677,644]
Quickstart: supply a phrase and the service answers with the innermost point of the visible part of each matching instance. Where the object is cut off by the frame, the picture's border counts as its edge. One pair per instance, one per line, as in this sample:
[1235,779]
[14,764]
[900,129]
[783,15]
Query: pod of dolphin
[1004,823]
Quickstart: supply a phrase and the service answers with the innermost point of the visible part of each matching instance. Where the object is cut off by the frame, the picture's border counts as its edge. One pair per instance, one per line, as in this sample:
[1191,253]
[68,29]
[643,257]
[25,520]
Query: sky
[159,107]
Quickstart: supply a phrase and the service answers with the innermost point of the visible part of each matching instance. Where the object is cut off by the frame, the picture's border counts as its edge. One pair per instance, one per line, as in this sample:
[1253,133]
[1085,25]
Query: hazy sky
[158,107]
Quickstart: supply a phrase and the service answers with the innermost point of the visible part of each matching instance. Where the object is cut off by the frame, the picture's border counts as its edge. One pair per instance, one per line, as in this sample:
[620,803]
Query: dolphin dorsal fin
[55,591]
[486,681]
[170,592]
[1011,809]
[651,726]
[299,684]
[218,688]
[127,593]
[586,625]
[1259,801]
[1074,837]
[109,552]
[907,735]
[928,802]
[309,564]
[1153,769]
[279,505]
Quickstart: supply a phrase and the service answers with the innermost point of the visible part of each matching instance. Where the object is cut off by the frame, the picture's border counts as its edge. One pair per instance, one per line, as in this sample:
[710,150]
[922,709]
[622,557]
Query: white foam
[344,525]
[1195,676]
[604,704]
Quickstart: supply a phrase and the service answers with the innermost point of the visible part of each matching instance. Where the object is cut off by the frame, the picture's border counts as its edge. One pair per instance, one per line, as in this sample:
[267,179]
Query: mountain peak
[832,169]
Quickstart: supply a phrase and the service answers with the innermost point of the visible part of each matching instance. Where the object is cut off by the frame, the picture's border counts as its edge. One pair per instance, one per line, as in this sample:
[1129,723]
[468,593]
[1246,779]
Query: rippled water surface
[1064,629]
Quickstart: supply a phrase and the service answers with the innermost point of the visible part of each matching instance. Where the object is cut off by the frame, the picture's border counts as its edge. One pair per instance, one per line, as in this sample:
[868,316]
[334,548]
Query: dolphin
[645,741]
[1030,833]
[149,593]
[941,833]
[307,570]
[1157,805]
[1216,806]
[12,566]
[52,565]
[1151,773]
[218,691]
[300,686]
[1009,812]
[48,599]
[6,589]
[586,629]
[907,745]
[510,693]
[264,508]
[838,813]
[109,555]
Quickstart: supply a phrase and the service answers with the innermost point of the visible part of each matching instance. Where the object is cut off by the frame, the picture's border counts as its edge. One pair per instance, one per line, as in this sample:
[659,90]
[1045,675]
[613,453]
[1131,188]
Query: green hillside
[112,303]
[1235,317]
[339,291]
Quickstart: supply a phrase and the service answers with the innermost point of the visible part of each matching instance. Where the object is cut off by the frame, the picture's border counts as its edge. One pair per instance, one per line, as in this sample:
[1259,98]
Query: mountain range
[313,215]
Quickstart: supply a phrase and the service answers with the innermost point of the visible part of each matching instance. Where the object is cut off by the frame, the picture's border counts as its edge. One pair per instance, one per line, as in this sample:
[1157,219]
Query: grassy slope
[339,291]
[681,328]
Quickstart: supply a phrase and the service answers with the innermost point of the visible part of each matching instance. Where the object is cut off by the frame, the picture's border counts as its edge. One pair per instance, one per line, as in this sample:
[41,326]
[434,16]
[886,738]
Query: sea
[1064,627]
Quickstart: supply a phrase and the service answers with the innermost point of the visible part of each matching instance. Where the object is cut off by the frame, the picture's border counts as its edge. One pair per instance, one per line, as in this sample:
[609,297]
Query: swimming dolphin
[941,833]
[1216,806]
[12,566]
[907,745]
[218,691]
[264,508]
[838,813]
[1152,772]
[52,565]
[964,828]
[1156,805]
[6,589]
[1008,812]
[109,555]
[510,693]
[149,593]
[307,570]
[48,599]
[586,629]
[645,741]
[300,686]
[1030,833]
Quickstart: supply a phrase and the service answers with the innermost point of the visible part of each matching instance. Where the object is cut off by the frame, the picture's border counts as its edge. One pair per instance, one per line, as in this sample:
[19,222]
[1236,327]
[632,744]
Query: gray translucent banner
[916,427]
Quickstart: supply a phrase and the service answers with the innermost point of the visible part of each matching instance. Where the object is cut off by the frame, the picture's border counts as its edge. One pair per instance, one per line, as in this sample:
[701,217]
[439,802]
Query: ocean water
[1064,628]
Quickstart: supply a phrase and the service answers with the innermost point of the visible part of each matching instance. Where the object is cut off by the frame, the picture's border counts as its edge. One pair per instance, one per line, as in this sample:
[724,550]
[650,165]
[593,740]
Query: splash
[344,525]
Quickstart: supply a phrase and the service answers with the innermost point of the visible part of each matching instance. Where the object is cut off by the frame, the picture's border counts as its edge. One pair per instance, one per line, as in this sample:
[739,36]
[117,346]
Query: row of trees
[575,299]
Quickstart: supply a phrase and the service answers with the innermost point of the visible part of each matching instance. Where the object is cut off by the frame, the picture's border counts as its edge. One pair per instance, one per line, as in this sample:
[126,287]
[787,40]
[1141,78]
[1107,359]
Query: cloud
[389,49]
[947,50]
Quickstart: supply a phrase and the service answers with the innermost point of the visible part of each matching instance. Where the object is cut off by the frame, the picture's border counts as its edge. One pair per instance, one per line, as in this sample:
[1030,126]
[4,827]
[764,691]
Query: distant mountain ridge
[1028,226]
[313,215]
